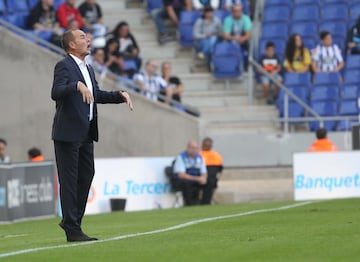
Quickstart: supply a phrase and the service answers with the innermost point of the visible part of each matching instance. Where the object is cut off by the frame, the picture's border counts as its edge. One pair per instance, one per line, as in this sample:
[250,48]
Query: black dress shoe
[61,224]
[79,237]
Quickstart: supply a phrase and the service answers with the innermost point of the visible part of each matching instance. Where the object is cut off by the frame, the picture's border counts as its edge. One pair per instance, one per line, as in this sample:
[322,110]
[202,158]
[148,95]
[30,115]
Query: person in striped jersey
[327,57]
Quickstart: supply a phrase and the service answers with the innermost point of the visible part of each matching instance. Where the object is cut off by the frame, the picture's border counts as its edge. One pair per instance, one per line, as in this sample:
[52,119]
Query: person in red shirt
[322,144]
[67,12]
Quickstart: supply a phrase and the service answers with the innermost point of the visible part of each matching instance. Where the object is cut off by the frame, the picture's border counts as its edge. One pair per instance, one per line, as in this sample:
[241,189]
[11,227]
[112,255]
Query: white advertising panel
[326,175]
[140,182]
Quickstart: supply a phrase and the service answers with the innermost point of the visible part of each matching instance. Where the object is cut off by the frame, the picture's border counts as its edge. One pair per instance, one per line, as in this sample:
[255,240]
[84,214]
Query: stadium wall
[26,110]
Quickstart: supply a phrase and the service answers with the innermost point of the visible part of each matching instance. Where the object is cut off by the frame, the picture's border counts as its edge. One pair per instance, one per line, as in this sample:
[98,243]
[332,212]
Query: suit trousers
[75,165]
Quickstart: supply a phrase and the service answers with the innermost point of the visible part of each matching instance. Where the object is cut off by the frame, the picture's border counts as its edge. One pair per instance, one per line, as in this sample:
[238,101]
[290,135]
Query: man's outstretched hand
[127,98]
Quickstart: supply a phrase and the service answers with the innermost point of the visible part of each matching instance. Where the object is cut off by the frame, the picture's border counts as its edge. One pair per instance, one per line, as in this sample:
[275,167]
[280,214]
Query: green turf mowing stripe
[176,227]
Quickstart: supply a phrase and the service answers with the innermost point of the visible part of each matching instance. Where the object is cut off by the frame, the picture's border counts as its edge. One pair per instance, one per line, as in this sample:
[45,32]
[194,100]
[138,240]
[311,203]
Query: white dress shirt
[84,71]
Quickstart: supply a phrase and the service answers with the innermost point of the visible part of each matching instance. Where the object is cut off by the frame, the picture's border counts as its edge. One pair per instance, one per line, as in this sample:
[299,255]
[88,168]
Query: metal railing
[122,83]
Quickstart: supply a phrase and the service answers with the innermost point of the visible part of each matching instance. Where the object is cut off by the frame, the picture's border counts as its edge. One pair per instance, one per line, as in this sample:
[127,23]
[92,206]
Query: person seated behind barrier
[4,159]
[171,9]
[97,61]
[237,27]
[201,4]
[322,144]
[128,46]
[353,39]
[174,88]
[214,166]
[206,30]
[91,14]
[113,59]
[190,172]
[67,12]
[327,57]
[297,56]
[42,18]
[34,155]
[149,82]
[270,62]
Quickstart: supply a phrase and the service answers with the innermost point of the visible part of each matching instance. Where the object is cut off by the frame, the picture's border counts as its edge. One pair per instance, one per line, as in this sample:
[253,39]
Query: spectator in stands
[206,30]
[97,61]
[237,27]
[42,18]
[228,4]
[270,62]
[73,24]
[190,170]
[113,59]
[214,166]
[171,9]
[327,57]
[201,4]
[174,88]
[128,47]
[322,144]
[149,82]
[297,56]
[34,155]
[353,39]
[92,17]
[66,12]
[4,159]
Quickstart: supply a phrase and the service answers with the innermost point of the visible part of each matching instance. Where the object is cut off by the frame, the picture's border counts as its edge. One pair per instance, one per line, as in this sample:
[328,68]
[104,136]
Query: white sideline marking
[187,224]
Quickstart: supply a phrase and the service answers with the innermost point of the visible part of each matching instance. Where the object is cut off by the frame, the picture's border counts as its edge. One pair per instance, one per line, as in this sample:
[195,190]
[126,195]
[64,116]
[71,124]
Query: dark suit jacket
[71,120]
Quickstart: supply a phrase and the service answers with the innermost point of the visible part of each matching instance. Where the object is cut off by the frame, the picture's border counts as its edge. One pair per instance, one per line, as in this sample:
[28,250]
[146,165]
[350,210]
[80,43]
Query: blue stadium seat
[14,6]
[32,3]
[337,29]
[57,3]
[227,60]
[18,19]
[221,14]
[297,79]
[352,62]
[324,108]
[275,30]
[355,11]
[306,13]
[310,42]
[352,77]
[288,3]
[3,9]
[307,2]
[305,29]
[348,107]
[295,110]
[327,79]
[326,2]
[277,14]
[345,125]
[335,12]
[153,4]
[340,41]
[324,92]
[349,91]
[185,27]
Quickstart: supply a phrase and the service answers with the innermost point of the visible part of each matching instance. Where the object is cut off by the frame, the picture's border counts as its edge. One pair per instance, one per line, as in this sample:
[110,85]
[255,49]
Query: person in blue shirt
[237,27]
[190,170]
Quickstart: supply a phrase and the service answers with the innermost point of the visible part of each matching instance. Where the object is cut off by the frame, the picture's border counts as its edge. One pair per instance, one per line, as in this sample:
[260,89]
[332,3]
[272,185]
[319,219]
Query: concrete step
[254,173]
[254,191]
[215,101]
[212,93]
[109,5]
[224,129]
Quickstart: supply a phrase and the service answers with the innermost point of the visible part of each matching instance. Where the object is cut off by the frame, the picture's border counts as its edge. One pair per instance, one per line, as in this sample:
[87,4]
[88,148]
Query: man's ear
[72,44]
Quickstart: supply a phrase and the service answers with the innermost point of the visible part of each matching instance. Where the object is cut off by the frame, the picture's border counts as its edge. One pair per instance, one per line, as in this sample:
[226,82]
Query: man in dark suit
[76,93]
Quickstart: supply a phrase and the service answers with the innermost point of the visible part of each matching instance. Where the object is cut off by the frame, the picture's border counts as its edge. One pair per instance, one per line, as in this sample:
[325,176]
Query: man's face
[237,12]
[90,2]
[270,51]
[207,145]
[166,69]
[192,149]
[2,149]
[81,44]
[49,2]
[99,56]
[70,2]
[327,41]
[151,67]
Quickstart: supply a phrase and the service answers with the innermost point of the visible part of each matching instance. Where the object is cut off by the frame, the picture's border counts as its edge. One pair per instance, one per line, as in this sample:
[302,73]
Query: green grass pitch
[319,231]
